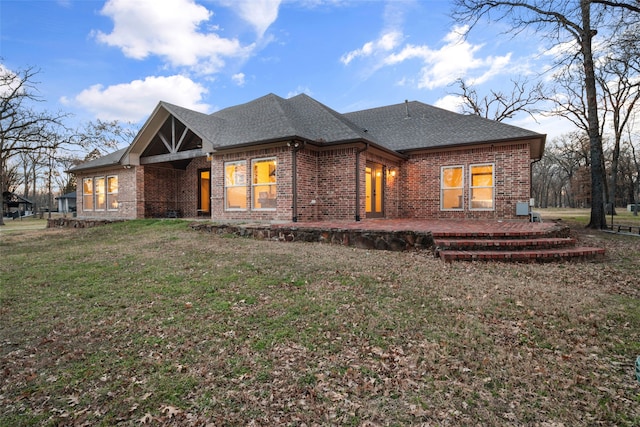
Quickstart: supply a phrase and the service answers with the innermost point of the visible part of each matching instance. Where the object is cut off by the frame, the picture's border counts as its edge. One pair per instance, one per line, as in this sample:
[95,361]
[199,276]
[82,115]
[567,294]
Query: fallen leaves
[253,333]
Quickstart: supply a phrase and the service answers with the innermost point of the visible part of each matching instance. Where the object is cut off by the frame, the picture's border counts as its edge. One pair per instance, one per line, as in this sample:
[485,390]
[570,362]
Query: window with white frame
[112,193]
[100,193]
[263,184]
[235,185]
[481,186]
[99,189]
[451,187]
[87,194]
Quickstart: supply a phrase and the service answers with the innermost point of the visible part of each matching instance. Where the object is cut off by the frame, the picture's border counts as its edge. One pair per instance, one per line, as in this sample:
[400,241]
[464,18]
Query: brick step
[536,255]
[508,234]
[503,244]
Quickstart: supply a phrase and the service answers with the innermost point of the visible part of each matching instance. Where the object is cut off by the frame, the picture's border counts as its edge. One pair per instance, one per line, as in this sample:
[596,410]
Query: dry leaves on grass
[190,329]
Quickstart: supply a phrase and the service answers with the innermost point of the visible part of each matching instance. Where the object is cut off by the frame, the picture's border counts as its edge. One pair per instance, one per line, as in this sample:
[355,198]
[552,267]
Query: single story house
[279,160]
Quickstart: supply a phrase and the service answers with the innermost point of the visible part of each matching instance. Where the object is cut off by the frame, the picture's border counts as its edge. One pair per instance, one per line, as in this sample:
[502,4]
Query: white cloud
[259,13]
[238,79]
[450,102]
[170,29]
[386,42]
[134,101]
[456,58]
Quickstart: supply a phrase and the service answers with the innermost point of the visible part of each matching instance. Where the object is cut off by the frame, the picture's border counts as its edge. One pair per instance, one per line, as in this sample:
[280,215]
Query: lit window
[112,193]
[481,188]
[99,189]
[451,184]
[87,194]
[235,185]
[263,191]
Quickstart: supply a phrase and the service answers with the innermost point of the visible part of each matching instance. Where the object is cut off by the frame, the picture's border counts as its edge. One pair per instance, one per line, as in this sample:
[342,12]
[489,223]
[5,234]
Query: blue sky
[117,59]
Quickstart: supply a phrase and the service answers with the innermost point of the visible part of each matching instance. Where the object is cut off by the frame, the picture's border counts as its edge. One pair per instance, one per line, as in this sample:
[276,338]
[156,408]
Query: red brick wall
[160,190]
[283,211]
[420,178]
[326,177]
[307,185]
[336,184]
[127,196]
[391,202]
[188,188]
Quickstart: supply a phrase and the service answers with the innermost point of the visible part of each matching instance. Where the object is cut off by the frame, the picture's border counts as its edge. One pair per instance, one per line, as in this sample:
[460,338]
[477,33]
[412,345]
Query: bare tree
[105,136]
[558,176]
[21,127]
[574,21]
[498,105]
[619,79]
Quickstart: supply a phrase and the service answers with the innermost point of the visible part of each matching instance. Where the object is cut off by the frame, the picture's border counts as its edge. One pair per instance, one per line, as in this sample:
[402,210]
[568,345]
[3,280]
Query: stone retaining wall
[78,223]
[363,239]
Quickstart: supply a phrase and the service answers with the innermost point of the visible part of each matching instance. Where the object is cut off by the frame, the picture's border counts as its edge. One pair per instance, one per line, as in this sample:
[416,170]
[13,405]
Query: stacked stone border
[359,238]
[363,239]
[79,223]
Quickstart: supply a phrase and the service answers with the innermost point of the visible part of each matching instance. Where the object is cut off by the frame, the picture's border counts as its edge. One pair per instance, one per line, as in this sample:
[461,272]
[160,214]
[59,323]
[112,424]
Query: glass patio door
[204,192]
[374,190]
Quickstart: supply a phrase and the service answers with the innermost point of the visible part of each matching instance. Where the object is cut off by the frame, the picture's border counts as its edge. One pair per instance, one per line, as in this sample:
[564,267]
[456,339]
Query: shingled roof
[414,125]
[272,118]
[104,161]
[399,128]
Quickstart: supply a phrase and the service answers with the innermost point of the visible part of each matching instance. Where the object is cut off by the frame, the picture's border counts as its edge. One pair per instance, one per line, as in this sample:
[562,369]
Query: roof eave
[536,150]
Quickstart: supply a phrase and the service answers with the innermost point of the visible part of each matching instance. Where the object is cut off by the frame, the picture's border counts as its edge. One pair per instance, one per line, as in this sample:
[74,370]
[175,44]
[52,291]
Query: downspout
[297,146]
[366,147]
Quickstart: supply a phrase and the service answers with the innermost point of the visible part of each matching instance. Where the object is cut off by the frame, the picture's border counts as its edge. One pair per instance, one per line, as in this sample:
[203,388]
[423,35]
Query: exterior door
[374,189]
[204,192]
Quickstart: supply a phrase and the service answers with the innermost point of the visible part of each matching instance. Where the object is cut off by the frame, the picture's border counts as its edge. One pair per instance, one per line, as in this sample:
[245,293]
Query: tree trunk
[1,186]
[598,218]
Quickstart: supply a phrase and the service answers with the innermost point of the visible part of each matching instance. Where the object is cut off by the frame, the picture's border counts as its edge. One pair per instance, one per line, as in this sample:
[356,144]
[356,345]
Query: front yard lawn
[149,322]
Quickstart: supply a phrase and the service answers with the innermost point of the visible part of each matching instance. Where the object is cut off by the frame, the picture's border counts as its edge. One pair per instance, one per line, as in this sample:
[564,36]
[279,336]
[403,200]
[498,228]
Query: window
[235,185]
[87,194]
[481,187]
[112,193]
[99,191]
[451,184]
[263,184]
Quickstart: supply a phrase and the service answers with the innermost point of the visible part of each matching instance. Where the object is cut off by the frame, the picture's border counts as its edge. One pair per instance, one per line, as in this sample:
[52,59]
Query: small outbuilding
[15,206]
[67,203]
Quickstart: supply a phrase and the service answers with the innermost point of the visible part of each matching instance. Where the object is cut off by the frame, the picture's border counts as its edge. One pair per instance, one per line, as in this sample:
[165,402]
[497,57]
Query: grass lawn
[149,322]
[580,217]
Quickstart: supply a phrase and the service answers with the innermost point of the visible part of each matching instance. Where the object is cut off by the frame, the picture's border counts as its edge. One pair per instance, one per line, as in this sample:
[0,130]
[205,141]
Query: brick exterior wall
[326,177]
[127,194]
[284,197]
[160,190]
[336,184]
[420,177]
[307,185]
[188,190]
[391,201]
